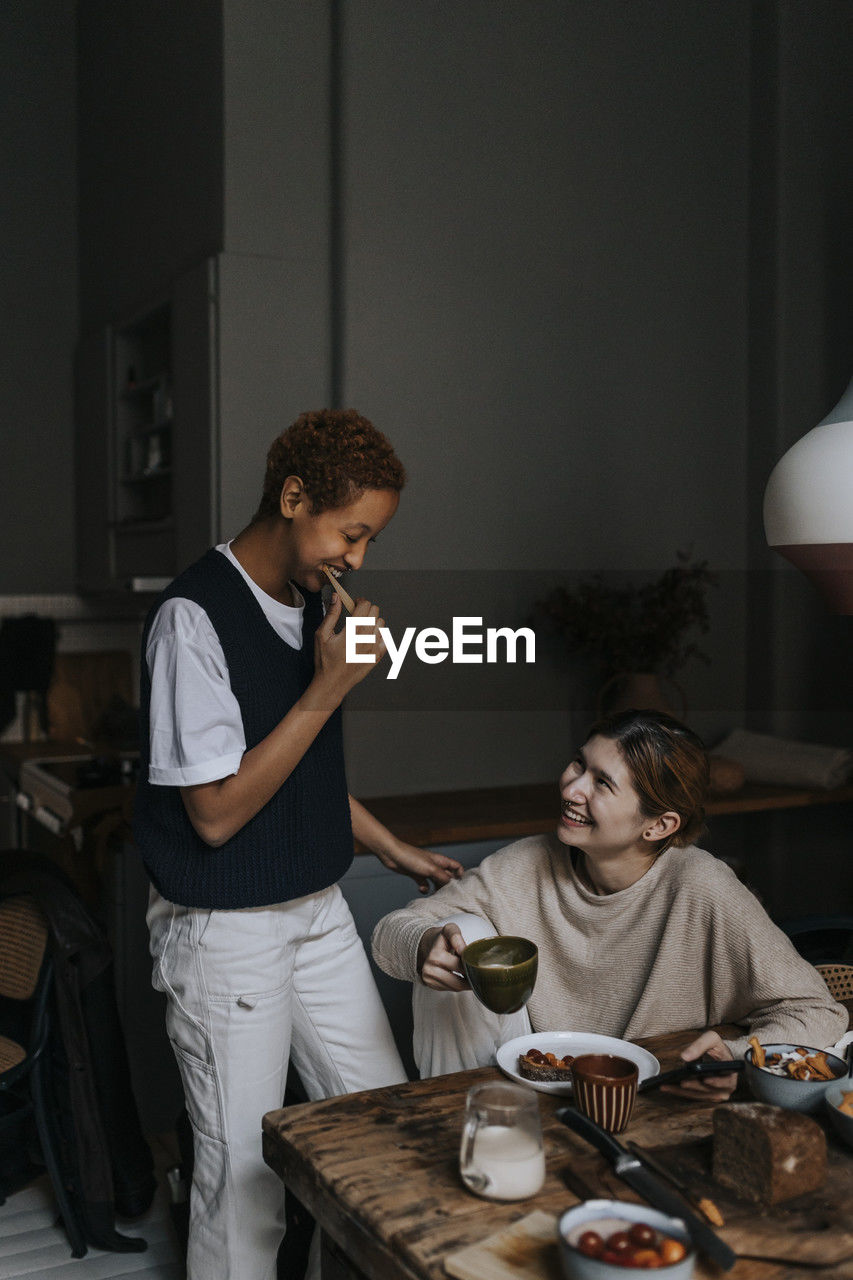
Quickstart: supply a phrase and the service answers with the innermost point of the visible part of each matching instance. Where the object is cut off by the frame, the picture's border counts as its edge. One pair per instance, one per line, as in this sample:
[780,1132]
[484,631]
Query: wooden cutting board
[815,1229]
[525,1251]
[528,1250]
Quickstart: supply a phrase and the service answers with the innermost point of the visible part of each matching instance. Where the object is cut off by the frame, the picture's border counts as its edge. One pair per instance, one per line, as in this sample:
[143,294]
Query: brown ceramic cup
[605,1088]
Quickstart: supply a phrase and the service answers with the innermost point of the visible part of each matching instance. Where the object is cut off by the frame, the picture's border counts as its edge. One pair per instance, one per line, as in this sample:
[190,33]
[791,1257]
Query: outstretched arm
[421,864]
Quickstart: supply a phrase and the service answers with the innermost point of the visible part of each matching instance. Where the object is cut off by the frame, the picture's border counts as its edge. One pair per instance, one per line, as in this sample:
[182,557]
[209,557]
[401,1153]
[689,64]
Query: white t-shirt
[196,730]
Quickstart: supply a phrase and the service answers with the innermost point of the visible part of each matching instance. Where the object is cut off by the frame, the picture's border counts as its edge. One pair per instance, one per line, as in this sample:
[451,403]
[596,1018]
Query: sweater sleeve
[760,981]
[480,892]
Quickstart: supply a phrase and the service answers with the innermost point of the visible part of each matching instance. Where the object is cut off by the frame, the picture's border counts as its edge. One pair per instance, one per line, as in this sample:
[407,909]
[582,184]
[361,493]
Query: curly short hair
[337,454]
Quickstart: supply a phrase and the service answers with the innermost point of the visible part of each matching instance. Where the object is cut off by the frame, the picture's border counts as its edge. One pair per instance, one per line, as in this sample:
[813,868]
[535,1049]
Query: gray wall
[274,273]
[545,302]
[800,675]
[38,316]
[802,333]
[151,148]
[276,132]
[545,274]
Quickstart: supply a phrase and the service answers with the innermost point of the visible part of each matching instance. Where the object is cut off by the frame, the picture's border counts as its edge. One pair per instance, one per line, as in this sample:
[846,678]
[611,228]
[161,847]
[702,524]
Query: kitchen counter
[444,817]
[506,813]
[61,803]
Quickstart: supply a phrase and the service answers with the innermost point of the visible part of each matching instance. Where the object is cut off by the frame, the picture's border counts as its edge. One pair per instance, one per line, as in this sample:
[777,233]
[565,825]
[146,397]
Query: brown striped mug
[605,1088]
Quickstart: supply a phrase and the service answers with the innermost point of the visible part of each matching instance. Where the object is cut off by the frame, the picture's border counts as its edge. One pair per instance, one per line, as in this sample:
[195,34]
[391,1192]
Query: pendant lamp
[808,505]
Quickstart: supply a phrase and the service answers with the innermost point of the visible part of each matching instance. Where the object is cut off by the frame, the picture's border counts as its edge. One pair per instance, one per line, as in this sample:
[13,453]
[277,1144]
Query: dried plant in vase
[630,630]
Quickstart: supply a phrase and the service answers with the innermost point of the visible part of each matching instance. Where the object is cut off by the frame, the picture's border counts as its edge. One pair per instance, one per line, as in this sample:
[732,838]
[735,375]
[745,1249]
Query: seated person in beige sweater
[640,933]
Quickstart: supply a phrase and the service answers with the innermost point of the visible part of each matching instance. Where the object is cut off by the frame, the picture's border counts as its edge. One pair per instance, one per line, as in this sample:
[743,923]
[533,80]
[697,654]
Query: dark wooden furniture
[378,1170]
[485,813]
[506,813]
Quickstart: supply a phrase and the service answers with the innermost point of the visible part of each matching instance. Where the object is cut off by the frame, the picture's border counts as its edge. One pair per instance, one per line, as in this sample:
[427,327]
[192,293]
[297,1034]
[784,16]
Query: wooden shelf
[507,813]
[759,798]
[142,448]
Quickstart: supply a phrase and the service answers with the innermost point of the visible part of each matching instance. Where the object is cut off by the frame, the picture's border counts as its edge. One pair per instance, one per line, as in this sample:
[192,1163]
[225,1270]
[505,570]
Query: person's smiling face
[600,810]
[337,537]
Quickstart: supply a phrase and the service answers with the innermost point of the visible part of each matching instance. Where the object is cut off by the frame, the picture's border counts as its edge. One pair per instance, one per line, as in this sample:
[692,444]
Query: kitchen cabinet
[145,422]
[177,405]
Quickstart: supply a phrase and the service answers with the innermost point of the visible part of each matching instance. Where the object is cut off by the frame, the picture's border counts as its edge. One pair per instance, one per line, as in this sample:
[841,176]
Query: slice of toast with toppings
[534,1065]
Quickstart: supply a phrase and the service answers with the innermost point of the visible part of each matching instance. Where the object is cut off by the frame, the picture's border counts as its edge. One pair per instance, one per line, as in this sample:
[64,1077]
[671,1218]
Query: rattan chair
[26,979]
[838,978]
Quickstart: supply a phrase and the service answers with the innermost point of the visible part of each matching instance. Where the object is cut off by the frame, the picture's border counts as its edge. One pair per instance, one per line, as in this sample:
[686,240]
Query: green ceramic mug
[501,971]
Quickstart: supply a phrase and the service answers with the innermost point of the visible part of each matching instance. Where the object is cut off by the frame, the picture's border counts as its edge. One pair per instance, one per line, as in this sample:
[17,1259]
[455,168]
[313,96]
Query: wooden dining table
[379,1171]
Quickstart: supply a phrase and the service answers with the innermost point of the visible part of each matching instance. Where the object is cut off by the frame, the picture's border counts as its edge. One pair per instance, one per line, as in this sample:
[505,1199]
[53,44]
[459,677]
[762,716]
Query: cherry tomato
[648,1259]
[671,1250]
[620,1242]
[643,1235]
[620,1259]
[591,1244]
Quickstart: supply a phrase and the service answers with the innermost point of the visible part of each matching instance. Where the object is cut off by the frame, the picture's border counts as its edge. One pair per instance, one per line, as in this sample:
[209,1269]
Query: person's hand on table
[439,954]
[709,1088]
[421,864]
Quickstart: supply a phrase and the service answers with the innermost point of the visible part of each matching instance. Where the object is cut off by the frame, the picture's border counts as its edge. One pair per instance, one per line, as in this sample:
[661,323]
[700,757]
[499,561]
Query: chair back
[23,938]
[838,978]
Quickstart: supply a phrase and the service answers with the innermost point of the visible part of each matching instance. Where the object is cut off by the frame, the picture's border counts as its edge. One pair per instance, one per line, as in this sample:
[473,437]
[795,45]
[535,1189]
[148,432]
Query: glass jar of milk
[501,1155]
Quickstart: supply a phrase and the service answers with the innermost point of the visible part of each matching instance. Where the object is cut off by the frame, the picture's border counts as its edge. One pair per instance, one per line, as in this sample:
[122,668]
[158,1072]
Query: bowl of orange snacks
[602,1239]
[791,1075]
[839,1106]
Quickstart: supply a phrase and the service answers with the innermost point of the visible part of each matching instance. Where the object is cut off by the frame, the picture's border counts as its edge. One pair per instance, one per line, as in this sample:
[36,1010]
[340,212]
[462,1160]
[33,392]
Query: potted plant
[636,634]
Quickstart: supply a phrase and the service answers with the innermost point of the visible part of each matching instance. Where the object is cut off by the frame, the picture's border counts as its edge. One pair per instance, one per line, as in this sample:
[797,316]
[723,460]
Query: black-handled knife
[693,1070]
[631,1170]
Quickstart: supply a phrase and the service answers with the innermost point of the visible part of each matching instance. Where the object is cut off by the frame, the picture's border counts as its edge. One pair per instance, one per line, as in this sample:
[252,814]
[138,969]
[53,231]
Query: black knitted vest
[301,841]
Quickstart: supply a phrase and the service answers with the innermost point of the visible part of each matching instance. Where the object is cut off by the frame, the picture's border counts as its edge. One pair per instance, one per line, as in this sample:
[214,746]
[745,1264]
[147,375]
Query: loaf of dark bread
[545,1067]
[765,1154]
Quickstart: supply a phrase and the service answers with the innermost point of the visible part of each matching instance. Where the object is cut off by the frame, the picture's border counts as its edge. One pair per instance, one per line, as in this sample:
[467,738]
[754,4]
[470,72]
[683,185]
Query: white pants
[248,990]
[452,1030]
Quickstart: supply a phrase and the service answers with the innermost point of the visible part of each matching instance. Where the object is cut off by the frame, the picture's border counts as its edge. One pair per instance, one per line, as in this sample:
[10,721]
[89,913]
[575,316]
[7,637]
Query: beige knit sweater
[687,946]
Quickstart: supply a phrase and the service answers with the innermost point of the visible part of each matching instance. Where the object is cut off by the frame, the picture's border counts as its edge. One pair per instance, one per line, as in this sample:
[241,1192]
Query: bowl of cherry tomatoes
[602,1239]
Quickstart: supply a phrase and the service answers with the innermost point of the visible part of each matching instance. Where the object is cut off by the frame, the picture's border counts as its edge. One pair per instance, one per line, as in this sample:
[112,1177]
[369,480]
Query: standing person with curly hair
[245,825]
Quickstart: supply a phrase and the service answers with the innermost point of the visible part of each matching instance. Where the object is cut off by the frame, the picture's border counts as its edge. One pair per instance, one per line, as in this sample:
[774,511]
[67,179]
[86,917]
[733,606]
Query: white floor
[33,1246]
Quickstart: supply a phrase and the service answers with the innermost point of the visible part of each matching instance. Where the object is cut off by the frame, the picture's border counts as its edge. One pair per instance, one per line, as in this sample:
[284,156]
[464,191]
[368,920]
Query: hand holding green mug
[501,971]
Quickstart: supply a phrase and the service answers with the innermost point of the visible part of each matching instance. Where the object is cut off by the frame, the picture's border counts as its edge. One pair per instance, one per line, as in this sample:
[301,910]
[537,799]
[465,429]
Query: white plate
[574,1042]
